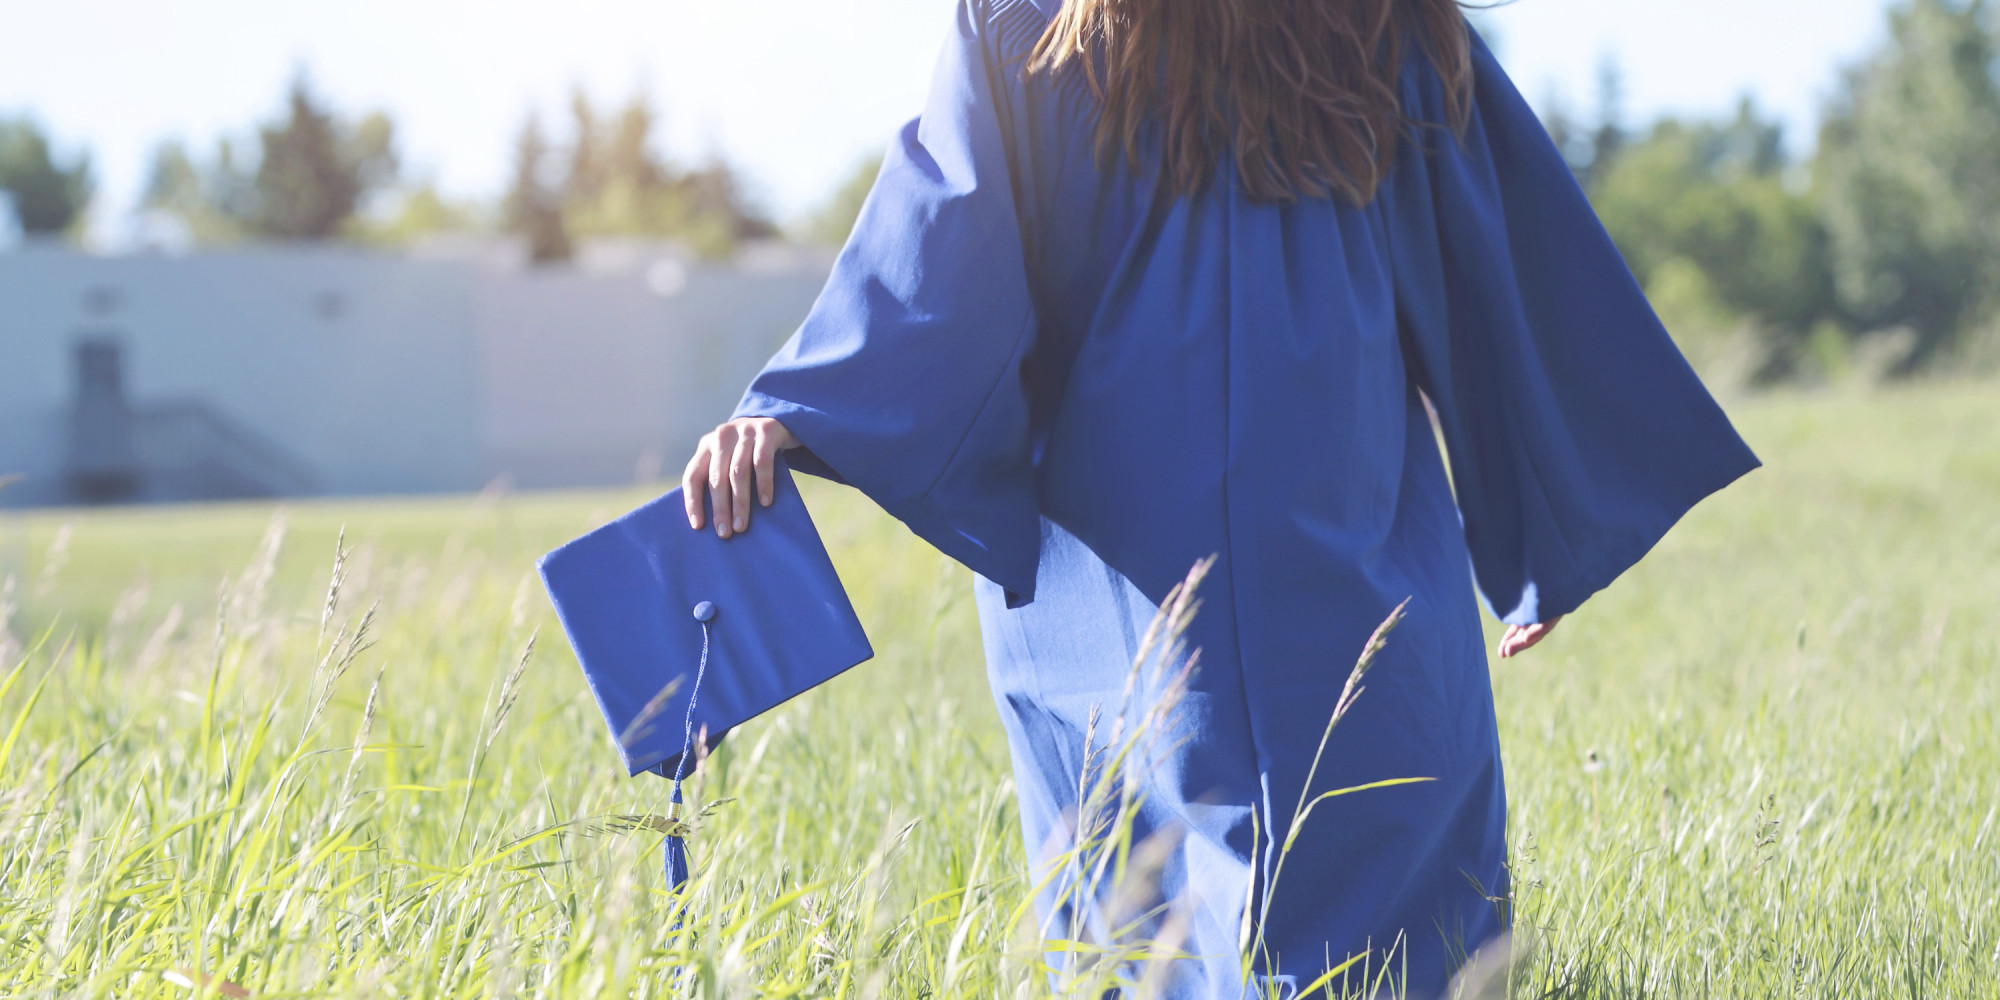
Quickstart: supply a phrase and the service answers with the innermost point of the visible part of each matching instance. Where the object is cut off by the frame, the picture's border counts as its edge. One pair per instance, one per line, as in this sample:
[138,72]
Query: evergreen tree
[1566,134]
[1609,138]
[315,169]
[619,184]
[533,207]
[48,198]
[1590,149]
[588,173]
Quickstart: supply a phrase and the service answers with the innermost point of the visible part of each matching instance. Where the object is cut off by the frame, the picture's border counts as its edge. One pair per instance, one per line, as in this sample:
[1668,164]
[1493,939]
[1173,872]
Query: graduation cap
[681,632]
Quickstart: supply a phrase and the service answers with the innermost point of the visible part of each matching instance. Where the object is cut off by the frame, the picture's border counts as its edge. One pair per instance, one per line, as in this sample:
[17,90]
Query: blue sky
[795,91]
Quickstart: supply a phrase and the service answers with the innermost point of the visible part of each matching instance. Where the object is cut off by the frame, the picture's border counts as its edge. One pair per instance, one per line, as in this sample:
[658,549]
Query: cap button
[704,611]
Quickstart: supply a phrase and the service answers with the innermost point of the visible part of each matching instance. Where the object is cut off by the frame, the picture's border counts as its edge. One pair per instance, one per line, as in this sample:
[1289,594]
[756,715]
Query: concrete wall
[361,367]
[596,378]
[393,374]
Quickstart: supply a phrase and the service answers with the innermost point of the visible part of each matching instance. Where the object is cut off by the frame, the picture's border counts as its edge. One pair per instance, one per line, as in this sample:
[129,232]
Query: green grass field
[1766,763]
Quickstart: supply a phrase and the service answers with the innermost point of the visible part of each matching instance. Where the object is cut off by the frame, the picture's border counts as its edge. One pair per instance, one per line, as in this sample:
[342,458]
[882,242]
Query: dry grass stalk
[510,688]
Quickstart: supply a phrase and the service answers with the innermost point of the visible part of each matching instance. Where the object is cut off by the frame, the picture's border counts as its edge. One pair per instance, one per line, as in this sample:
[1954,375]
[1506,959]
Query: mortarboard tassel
[674,851]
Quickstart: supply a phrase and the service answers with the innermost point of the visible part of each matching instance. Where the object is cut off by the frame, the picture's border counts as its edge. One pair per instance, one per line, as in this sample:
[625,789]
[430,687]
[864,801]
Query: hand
[725,463]
[1520,637]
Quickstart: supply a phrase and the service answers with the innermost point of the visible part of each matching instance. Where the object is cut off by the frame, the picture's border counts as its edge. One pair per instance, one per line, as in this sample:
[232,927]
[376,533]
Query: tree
[312,173]
[48,198]
[711,199]
[315,169]
[533,207]
[1609,139]
[1701,210]
[1590,151]
[418,211]
[1715,193]
[216,200]
[619,185]
[1908,173]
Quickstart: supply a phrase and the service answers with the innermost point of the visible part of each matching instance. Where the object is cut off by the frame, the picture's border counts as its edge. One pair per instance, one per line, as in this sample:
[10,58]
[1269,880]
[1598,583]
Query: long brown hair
[1301,92]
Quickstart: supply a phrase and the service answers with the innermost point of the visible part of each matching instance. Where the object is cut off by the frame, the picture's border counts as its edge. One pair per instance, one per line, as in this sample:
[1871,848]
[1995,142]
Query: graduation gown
[1079,389]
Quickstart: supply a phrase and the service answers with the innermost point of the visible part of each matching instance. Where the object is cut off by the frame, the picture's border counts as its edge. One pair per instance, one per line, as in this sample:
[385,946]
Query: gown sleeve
[905,380]
[1577,433]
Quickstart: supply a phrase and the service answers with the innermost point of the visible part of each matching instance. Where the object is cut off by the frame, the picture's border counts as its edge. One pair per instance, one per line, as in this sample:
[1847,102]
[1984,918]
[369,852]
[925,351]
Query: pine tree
[533,207]
[1609,139]
[314,170]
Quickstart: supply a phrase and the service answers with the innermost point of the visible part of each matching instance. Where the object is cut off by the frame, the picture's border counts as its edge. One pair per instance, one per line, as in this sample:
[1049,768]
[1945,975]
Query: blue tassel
[673,853]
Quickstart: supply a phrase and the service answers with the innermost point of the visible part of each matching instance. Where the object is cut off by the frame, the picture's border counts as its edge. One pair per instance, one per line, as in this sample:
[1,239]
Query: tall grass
[1764,764]
[383,792]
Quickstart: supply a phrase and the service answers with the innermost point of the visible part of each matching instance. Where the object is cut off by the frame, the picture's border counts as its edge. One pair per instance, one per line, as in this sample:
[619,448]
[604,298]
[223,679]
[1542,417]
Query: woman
[1151,281]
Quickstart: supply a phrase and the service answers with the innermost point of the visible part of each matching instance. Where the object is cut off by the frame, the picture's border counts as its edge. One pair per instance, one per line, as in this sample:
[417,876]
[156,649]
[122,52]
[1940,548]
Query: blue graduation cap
[680,632]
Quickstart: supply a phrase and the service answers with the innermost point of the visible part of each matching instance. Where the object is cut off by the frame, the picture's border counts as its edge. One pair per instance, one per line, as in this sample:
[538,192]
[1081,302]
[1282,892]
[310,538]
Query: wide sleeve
[905,380]
[1577,432]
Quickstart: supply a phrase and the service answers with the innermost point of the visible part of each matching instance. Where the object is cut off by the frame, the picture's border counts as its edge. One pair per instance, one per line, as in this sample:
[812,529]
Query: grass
[1765,763]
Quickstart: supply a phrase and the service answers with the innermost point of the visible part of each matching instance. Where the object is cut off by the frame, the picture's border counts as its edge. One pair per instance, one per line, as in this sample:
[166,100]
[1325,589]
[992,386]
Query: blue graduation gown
[1079,389]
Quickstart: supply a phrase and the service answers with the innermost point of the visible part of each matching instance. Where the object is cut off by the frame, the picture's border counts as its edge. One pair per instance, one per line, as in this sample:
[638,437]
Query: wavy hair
[1302,93]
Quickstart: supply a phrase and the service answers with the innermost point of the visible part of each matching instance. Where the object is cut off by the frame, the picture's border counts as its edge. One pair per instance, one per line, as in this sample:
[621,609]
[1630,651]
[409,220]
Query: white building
[296,371]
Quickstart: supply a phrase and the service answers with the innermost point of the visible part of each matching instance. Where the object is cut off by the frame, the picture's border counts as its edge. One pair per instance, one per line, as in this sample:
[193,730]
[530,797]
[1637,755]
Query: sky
[795,92]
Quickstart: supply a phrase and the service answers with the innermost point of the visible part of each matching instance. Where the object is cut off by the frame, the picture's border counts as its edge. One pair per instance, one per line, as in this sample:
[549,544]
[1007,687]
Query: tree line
[610,181]
[312,174]
[1880,250]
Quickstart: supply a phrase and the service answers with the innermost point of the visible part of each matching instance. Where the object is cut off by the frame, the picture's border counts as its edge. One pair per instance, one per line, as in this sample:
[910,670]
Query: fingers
[740,460]
[765,458]
[694,483]
[719,500]
[729,463]
[1521,638]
